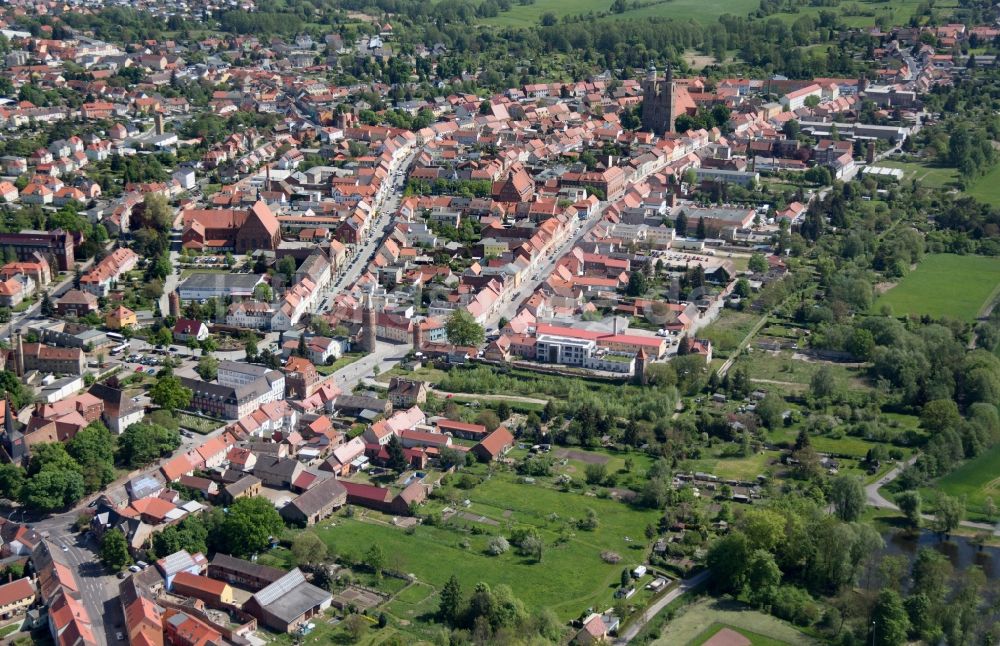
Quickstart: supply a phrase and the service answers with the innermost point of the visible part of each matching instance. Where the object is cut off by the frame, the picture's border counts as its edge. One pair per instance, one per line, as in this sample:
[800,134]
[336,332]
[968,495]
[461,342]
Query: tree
[375,559]
[890,622]
[848,498]
[763,578]
[909,503]
[169,393]
[949,513]
[308,548]
[47,308]
[356,626]
[497,545]
[190,534]
[145,442]
[757,263]
[397,459]
[251,348]
[263,293]
[52,489]
[208,367]
[114,550]
[93,448]
[11,480]
[595,473]
[730,554]
[451,605]
[701,232]
[989,508]
[489,419]
[680,225]
[157,213]
[638,284]
[823,383]
[286,267]
[770,410]
[249,526]
[463,330]
[18,395]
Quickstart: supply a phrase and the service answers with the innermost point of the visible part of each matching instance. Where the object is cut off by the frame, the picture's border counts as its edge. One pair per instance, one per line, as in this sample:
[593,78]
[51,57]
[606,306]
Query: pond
[961,551]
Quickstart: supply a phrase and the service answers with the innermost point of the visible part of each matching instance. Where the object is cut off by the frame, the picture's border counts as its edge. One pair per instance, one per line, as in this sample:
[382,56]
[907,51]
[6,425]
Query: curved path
[877,500]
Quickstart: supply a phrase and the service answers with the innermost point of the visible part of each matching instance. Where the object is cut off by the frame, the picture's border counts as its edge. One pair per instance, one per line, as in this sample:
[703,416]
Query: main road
[512,300]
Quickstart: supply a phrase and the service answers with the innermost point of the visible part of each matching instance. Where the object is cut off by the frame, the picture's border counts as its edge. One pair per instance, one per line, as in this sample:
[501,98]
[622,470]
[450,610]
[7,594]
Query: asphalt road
[511,302]
[637,625]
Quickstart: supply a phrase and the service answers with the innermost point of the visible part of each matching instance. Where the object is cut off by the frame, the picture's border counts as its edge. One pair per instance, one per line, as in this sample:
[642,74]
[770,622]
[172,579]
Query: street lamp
[873,632]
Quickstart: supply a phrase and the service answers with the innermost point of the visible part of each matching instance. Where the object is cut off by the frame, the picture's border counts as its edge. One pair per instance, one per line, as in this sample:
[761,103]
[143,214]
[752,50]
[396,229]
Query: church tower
[418,336]
[18,355]
[658,102]
[641,360]
[368,325]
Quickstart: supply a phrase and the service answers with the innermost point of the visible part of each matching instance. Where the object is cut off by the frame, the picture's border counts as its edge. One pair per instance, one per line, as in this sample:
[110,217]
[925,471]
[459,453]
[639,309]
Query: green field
[987,188]
[929,175]
[896,12]
[570,577]
[975,481]
[699,10]
[945,285]
[729,329]
[699,621]
[745,469]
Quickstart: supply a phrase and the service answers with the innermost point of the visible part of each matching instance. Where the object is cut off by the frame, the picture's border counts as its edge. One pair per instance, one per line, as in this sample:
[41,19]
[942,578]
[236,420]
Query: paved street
[513,301]
[639,623]
[386,212]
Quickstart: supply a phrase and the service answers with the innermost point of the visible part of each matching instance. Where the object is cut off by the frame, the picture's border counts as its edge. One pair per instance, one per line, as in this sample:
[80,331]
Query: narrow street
[636,626]
[512,301]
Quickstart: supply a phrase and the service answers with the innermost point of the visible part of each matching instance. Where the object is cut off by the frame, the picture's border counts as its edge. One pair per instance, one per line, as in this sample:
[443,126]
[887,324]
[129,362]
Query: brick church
[238,230]
[663,101]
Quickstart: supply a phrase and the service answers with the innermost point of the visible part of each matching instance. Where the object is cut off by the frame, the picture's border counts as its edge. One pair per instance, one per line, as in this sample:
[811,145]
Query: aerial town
[483,322]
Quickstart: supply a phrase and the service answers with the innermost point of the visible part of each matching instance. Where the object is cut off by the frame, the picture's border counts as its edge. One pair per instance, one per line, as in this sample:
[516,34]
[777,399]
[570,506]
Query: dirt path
[512,398]
[788,384]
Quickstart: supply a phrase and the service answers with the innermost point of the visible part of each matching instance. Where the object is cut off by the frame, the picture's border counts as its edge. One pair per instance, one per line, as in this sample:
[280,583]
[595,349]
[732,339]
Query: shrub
[497,546]
[795,605]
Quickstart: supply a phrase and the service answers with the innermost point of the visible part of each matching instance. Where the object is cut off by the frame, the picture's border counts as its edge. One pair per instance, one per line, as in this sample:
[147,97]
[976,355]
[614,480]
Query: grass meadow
[945,285]
[975,481]
[698,622]
[570,576]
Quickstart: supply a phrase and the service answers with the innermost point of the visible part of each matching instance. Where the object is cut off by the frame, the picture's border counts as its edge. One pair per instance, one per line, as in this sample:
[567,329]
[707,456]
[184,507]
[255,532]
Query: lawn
[929,175]
[570,577]
[744,469]
[198,424]
[345,360]
[930,289]
[987,188]
[729,329]
[975,481]
[529,15]
[781,367]
[699,621]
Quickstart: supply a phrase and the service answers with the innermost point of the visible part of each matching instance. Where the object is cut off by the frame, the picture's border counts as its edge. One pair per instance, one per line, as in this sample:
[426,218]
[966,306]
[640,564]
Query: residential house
[188,329]
[315,504]
[494,446]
